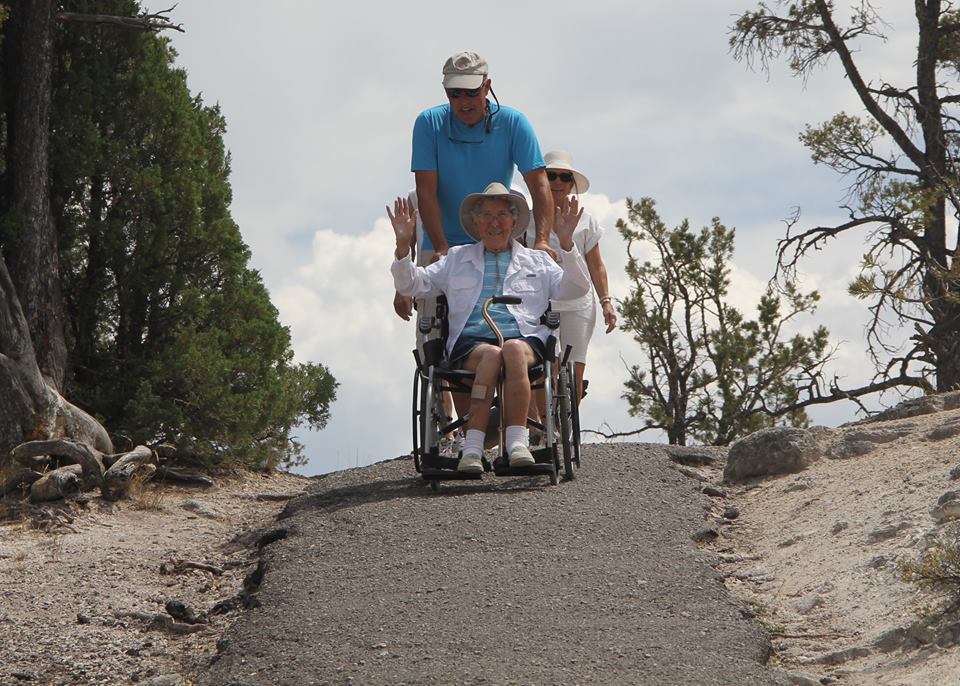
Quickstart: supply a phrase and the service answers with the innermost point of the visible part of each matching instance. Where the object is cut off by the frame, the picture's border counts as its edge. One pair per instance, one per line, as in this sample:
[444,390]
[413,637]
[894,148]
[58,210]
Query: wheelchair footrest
[542,467]
[431,474]
[543,455]
[439,462]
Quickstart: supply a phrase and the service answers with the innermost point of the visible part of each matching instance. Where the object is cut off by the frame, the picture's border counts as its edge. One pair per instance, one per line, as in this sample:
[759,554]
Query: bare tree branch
[143,22]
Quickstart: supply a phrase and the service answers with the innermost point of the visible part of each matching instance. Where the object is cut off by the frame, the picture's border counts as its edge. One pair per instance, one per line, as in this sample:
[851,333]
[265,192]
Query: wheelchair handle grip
[506,300]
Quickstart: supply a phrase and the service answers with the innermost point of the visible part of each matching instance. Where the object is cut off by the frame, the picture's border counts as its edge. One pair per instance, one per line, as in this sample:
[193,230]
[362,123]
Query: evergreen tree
[711,375]
[171,335]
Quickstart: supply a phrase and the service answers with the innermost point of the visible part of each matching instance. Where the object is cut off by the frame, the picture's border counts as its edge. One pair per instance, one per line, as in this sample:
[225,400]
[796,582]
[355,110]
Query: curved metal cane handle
[498,300]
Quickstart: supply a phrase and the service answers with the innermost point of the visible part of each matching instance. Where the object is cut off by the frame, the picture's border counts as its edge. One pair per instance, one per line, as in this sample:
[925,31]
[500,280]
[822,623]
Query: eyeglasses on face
[490,217]
[454,93]
[566,177]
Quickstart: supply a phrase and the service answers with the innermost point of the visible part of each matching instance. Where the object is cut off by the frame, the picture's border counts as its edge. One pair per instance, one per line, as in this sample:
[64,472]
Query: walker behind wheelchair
[433,427]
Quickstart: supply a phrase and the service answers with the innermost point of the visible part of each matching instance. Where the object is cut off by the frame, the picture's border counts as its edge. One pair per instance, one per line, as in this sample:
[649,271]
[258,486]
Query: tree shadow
[409,487]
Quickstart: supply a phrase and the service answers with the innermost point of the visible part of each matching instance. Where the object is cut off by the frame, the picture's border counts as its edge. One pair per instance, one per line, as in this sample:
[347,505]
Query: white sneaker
[521,456]
[470,463]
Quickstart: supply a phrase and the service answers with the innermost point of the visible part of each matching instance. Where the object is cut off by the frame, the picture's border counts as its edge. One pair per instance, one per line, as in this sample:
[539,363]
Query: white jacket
[532,275]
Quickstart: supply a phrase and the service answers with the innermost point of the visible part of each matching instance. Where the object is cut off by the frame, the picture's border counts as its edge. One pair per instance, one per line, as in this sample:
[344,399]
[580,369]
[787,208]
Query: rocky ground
[814,556]
[820,555]
[85,584]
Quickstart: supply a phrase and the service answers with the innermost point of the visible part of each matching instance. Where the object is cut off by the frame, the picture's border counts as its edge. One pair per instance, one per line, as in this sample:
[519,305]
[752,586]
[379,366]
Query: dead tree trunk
[136,463]
[57,484]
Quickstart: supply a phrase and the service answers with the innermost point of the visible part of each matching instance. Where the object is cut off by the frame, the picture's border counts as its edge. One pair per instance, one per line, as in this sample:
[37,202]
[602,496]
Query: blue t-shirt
[467,159]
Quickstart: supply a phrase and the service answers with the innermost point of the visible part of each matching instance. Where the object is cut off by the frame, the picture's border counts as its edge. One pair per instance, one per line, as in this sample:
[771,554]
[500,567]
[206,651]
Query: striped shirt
[494,270]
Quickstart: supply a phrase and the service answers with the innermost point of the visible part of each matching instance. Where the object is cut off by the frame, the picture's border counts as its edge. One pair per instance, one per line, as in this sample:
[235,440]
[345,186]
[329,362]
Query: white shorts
[576,329]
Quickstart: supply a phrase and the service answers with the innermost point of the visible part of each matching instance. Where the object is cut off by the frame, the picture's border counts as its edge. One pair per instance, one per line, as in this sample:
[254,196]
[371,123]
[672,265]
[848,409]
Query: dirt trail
[506,581]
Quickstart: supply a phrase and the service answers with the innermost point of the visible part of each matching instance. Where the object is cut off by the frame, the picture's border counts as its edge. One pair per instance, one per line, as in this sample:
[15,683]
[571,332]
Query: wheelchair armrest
[506,300]
[550,319]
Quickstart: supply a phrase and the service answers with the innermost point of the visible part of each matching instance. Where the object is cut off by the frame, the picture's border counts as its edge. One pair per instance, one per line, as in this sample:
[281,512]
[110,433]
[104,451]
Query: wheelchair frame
[430,423]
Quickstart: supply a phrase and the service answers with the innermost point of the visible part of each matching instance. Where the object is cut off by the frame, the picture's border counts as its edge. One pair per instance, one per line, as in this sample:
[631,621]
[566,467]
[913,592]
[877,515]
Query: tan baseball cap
[464,70]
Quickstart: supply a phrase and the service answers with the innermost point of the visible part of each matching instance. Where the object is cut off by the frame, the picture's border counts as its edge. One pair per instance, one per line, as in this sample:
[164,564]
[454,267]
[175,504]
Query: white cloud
[645,95]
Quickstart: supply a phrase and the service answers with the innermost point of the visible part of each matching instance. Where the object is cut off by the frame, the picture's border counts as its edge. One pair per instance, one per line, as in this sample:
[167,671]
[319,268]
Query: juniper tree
[169,334]
[899,156]
[710,374]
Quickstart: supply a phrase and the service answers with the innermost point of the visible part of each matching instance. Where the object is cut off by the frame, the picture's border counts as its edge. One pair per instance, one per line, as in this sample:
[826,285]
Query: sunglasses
[454,93]
[566,177]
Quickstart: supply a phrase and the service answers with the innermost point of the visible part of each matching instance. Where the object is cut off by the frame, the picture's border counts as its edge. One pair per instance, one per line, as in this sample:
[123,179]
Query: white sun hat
[561,159]
[495,190]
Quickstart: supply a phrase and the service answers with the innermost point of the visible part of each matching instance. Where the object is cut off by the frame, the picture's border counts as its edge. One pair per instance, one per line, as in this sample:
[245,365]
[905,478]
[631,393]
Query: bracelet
[606,299]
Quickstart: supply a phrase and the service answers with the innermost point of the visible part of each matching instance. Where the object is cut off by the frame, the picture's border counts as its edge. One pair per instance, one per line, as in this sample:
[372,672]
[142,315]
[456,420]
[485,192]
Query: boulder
[778,450]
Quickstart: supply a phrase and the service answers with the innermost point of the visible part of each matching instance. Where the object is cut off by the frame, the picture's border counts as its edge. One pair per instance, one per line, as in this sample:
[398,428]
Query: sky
[320,100]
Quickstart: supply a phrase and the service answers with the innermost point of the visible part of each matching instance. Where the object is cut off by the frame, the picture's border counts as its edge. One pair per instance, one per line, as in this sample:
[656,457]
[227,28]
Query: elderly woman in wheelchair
[496,291]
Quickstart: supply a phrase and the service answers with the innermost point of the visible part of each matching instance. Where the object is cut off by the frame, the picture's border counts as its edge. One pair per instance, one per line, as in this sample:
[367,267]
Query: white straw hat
[561,159]
[495,191]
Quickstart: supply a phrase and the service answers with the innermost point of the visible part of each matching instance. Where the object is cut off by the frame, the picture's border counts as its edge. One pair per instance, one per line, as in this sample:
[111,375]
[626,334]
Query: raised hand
[404,221]
[565,219]
[403,306]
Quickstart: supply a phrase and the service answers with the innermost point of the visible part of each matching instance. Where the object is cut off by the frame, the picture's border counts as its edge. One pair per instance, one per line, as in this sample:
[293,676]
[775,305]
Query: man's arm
[429,208]
[539,188]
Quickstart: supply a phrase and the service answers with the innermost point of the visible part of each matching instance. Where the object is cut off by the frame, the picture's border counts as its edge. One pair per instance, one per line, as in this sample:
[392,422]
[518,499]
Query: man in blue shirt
[460,148]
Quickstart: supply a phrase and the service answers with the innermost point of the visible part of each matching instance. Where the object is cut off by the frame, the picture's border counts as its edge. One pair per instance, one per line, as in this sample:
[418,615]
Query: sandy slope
[68,588]
[818,555]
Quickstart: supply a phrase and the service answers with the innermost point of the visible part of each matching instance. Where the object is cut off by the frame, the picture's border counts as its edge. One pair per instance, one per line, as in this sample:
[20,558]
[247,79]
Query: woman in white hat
[578,316]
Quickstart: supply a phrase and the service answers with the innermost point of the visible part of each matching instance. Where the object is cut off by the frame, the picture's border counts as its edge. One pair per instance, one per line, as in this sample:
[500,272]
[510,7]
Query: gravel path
[504,581]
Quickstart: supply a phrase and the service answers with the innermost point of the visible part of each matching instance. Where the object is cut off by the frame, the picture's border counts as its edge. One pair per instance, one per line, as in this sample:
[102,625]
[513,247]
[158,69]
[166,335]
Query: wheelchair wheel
[565,396]
[576,428]
[430,430]
[549,419]
[416,419]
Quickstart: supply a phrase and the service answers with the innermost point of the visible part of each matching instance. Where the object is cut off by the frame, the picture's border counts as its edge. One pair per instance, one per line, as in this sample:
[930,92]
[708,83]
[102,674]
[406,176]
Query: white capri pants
[576,329]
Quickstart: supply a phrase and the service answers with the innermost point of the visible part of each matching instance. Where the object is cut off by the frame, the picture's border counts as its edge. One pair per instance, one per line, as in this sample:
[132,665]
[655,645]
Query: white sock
[473,443]
[517,435]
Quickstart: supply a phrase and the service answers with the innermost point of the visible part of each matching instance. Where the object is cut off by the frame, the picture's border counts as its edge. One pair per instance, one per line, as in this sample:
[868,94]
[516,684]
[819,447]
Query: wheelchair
[433,427]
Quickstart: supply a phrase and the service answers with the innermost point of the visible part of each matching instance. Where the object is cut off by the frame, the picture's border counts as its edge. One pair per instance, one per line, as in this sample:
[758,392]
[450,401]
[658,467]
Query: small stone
[838,527]
[801,484]
[692,474]
[706,535]
[200,509]
[948,496]
[793,540]
[888,532]
[164,680]
[808,604]
[714,492]
[731,513]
